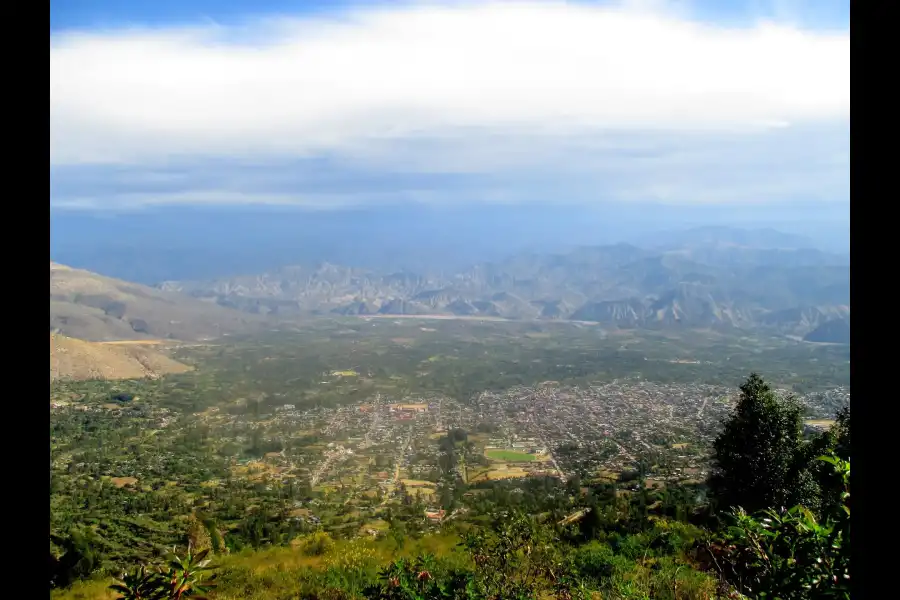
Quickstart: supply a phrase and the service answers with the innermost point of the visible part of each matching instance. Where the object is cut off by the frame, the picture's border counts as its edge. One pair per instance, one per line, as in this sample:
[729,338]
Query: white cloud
[492,72]
[208,197]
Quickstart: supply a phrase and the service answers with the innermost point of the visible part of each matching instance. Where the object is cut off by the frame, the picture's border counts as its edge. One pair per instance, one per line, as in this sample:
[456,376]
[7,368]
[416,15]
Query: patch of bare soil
[71,358]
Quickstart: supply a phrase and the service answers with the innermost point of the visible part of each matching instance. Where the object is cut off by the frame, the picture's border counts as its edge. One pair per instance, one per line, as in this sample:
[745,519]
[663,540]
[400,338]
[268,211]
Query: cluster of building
[661,430]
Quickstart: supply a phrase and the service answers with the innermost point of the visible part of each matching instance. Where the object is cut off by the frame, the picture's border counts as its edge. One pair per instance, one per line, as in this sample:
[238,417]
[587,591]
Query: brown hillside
[88,306]
[78,359]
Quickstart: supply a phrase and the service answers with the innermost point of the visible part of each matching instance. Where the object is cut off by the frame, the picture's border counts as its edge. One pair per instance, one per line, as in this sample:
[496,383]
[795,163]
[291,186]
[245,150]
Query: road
[392,482]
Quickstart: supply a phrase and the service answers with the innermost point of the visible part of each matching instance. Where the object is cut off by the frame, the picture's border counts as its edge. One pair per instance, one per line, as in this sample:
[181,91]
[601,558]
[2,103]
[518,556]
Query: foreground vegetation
[542,539]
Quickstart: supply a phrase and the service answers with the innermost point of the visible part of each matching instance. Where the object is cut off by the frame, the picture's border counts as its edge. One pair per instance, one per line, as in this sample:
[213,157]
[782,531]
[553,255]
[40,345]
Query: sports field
[509,455]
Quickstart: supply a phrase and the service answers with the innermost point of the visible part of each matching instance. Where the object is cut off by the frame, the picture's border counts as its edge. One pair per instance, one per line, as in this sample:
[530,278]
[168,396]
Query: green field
[510,456]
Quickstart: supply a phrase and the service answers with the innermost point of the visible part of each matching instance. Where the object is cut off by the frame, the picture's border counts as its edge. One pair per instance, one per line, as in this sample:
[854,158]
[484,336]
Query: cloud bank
[506,101]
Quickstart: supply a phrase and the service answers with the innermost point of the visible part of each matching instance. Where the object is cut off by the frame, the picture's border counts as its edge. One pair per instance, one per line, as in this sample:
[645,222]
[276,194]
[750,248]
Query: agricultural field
[509,455]
[364,426]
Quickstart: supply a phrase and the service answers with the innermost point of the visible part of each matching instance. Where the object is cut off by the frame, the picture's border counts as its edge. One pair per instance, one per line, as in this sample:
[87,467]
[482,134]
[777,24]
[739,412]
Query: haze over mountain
[713,282]
[834,331]
[178,243]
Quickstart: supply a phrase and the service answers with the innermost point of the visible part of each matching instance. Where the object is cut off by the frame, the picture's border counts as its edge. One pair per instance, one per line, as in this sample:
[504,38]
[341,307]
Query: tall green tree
[842,433]
[835,441]
[760,460]
[198,536]
[79,559]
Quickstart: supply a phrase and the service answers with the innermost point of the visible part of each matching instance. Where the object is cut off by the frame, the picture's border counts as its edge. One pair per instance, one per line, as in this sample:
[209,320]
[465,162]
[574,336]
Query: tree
[835,441]
[759,458]
[841,431]
[198,535]
[79,559]
[790,554]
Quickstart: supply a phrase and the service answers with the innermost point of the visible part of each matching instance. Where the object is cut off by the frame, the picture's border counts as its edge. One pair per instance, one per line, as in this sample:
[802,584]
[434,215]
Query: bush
[632,547]
[317,544]
[596,562]
[789,554]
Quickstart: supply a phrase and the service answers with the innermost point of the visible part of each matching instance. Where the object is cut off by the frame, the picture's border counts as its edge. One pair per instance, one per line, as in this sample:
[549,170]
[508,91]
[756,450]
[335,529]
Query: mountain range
[199,243]
[699,281]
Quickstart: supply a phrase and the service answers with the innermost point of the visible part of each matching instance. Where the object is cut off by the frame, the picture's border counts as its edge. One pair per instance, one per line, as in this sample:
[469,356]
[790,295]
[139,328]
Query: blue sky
[93,14]
[337,104]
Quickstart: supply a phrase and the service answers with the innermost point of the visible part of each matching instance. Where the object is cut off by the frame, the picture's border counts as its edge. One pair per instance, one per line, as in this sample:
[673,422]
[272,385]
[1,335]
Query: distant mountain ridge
[833,331]
[706,283]
[764,238]
[199,243]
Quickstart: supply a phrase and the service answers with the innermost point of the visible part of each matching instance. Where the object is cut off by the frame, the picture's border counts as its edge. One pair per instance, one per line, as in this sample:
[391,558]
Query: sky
[332,105]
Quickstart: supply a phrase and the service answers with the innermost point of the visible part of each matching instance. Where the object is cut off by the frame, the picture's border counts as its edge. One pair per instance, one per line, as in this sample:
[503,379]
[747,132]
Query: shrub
[317,544]
[789,554]
[596,562]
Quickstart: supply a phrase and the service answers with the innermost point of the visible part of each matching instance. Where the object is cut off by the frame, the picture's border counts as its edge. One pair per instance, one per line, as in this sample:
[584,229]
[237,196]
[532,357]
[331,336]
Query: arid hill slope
[92,307]
[78,359]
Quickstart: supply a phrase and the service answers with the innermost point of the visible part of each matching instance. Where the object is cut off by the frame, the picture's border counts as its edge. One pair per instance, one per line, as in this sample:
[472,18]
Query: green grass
[510,456]
[94,589]
[281,572]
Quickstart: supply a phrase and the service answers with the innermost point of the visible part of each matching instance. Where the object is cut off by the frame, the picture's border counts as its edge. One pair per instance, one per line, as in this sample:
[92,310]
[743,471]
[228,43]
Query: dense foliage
[184,579]
[790,553]
[765,465]
[759,455]
[516,556]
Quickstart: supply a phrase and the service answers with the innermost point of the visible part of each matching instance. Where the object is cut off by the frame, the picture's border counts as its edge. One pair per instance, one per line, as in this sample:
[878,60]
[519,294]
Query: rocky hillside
[834,331]
[77,359]
[705,284]
[88,306]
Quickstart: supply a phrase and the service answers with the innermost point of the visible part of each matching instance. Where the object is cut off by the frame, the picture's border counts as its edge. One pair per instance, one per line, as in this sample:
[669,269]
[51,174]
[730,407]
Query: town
[265,465]
[386,451]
